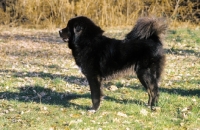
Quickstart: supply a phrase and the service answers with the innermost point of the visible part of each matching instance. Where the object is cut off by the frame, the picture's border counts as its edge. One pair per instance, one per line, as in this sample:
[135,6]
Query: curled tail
[148,27]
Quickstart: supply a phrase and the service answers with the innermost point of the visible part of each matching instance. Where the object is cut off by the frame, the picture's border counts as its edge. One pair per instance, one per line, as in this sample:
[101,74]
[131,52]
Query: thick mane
[90,27]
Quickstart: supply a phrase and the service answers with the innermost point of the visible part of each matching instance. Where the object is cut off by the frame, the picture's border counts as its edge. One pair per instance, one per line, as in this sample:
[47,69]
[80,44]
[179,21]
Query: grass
[41,88]
[55,13]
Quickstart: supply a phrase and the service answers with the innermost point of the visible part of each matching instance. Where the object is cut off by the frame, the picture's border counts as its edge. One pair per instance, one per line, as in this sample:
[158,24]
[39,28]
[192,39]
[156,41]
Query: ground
[41,87]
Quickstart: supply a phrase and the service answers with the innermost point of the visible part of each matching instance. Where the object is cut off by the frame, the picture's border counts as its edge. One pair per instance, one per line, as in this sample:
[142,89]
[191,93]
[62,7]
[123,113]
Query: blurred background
[106,13]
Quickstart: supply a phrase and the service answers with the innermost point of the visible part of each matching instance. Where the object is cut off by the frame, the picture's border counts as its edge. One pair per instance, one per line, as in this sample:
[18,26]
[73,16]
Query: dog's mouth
[65,39]
[64,36]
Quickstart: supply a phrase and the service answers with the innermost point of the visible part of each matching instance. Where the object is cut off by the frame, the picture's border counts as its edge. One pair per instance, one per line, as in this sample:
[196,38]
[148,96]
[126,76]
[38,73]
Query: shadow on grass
[186,90]
[40,94]
[69,79]
[181,92]
[177,91]
[183,52]
[126,101]
[43,95]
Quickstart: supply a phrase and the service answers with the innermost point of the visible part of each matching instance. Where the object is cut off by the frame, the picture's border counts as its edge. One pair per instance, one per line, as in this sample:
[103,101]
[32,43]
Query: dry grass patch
[41,88]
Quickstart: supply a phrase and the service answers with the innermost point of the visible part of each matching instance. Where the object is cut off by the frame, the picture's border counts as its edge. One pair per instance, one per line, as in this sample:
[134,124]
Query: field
[42,89]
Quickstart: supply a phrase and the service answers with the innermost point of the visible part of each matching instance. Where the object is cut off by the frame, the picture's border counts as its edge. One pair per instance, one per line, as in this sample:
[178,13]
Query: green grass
[40,87]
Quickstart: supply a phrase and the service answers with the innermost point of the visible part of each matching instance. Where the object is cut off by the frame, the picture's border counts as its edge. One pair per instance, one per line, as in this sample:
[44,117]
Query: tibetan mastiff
[100,57]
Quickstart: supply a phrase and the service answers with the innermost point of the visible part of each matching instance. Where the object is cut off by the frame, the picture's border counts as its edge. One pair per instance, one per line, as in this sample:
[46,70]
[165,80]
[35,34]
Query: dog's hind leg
[160,66]
[148,79]
[96,91]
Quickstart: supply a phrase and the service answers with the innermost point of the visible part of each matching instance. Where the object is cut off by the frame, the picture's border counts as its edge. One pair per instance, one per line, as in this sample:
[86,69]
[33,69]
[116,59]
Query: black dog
[99,56]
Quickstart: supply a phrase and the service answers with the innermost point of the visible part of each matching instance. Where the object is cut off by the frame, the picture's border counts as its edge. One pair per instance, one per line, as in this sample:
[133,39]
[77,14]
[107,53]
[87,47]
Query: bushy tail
[147,27]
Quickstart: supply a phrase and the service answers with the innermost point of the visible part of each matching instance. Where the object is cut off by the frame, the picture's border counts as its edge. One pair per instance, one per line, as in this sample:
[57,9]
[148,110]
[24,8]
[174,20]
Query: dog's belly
[109,71]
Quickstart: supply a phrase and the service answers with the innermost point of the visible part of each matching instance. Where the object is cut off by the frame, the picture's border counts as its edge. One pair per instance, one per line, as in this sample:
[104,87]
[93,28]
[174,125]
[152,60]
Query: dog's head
[79,27]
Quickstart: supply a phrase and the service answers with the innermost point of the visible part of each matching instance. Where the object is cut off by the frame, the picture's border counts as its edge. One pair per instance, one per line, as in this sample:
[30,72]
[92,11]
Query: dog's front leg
[96,92]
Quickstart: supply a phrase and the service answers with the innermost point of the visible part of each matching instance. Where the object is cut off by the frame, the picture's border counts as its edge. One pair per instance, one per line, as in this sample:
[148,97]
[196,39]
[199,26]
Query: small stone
[113,88]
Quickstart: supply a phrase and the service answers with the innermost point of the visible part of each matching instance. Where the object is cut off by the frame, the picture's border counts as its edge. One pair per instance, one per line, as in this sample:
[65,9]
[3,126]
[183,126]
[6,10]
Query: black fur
[99,56]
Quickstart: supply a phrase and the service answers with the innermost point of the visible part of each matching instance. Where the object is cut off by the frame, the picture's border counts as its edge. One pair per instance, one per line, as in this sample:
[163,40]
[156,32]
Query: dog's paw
[92,110]
[147,105]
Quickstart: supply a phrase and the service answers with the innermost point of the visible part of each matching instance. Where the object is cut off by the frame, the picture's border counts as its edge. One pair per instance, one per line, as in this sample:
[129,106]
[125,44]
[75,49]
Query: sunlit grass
[41,88]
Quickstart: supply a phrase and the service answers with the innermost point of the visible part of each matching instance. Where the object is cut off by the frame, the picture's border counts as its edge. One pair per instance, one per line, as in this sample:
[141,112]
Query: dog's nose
[60,31]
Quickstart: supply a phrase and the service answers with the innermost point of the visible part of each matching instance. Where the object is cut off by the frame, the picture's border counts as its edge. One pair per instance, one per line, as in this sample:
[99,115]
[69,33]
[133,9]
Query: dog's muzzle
[61,35]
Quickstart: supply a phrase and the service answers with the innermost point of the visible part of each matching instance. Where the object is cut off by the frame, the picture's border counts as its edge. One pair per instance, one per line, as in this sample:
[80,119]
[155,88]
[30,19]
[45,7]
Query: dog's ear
[78,30]
[77,33]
